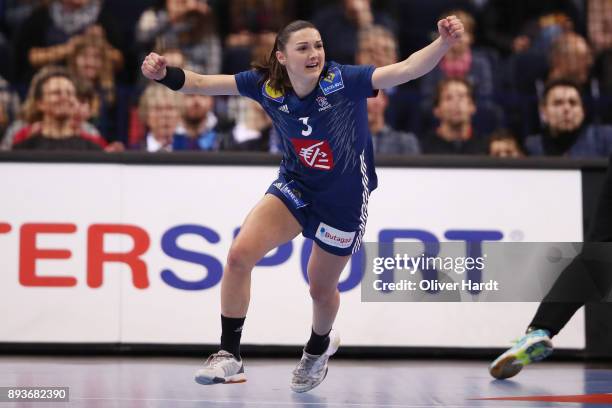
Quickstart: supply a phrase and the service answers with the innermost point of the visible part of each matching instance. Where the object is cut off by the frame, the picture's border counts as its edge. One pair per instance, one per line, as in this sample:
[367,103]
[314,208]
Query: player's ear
[281,57]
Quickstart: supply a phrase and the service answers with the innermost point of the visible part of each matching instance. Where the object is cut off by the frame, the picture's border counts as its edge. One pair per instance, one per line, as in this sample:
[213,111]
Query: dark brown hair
[564,82]
[447,81]
[271,69]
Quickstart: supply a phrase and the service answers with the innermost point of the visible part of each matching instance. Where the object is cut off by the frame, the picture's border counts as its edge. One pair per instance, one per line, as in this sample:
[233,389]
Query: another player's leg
[324,271]
[586,279]
[552,315]
[267,226]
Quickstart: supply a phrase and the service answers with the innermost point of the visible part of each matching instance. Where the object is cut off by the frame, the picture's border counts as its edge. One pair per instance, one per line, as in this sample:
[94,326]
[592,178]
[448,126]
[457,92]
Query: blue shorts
[337,229]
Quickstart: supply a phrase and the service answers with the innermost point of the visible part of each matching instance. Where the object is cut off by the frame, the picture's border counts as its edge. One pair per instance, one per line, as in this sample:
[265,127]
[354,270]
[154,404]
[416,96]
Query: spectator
[462,61]
[49,35]
[91,62]
[253,131]
[340,24]
[161,111]
[454,107]
[201,124]
[385,139]
[599,19]
[376,46]
[51,113]
[188,25]
[29,117]
[565,131]
[502,143]
[571,57]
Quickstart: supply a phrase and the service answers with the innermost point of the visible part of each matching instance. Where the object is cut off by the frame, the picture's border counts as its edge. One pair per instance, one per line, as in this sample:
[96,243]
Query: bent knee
[239,260]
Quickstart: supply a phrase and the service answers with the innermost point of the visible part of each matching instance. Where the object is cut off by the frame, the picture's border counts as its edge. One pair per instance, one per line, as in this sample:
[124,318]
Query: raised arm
[422,61]
[155,67]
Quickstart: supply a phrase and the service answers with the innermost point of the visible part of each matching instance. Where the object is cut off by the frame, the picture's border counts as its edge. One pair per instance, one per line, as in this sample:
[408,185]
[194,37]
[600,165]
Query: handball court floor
[168,382]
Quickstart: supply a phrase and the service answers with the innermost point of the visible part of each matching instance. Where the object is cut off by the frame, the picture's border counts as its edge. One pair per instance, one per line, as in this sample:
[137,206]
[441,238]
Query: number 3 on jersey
[308,130]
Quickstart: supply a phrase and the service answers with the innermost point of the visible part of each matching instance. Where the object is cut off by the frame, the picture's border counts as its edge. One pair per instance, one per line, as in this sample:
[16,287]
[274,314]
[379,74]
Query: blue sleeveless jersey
[326,143]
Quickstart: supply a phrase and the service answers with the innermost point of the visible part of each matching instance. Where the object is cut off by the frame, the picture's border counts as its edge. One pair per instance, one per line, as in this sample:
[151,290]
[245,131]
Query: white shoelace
[215,360]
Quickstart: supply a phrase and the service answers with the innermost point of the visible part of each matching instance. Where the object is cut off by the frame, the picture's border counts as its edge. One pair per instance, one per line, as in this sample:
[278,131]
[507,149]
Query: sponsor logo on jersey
[332,81]
[316,154]
[334,237]
[323,103]
[293,194]
[272,93]
[284,108]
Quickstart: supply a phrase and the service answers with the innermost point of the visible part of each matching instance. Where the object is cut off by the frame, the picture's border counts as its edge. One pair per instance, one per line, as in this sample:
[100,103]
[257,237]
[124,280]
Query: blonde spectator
[161,111]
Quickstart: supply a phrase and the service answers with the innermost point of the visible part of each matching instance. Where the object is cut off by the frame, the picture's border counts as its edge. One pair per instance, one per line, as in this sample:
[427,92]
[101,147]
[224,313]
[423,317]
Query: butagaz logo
[334,237]
[323,103]
[316,154]
[332,82]
[284,108]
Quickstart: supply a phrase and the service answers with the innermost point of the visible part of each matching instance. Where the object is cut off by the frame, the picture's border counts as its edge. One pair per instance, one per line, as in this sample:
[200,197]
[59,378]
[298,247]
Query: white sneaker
[221,368]
[311,370]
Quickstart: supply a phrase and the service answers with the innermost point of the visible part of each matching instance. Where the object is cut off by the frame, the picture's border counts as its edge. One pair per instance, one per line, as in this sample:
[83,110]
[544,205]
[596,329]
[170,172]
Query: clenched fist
[154,66]
[450,29]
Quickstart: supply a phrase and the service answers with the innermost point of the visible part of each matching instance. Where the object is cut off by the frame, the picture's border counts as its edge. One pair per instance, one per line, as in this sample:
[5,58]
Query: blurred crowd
[529,78]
